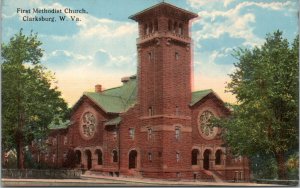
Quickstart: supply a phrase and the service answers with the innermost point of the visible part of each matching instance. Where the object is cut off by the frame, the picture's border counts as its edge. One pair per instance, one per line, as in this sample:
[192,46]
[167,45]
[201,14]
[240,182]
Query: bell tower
[164,60]
[164,90]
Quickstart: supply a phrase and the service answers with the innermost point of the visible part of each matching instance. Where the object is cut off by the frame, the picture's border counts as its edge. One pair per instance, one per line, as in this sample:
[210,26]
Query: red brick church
[153,125]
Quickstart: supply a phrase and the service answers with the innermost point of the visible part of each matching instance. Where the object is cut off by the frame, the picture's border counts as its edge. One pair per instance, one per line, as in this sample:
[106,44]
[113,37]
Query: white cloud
[112,30]
[82,68]
[197,4]
[115,41]
[227,2]
[208,3]
[236,24]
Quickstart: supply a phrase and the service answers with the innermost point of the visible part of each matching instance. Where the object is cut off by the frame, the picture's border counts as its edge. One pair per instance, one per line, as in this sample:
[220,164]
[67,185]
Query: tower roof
[164,8]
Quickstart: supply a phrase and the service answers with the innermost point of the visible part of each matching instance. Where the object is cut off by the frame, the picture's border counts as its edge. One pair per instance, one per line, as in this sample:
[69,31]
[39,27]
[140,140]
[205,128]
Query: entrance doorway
[77,157]
[89,159]
[132,159]
[206,159]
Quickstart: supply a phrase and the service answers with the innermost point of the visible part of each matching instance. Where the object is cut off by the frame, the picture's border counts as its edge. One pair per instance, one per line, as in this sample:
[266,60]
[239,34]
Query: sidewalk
[98,180]
[154,182]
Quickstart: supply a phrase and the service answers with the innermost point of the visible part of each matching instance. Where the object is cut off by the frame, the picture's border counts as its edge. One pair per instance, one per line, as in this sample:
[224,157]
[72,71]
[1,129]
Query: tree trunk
[20,142]
[20,154]
[281,165]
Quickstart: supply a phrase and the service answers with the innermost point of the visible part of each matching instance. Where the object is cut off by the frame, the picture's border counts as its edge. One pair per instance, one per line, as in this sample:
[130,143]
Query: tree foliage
[263,166]
[265,83]
[29,100]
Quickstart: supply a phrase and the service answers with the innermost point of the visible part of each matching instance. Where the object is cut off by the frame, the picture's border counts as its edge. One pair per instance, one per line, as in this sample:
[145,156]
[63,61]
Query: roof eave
[135,16]
[193,103]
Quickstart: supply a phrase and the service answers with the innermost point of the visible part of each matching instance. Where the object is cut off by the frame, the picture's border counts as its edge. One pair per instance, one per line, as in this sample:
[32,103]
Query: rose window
[88,126]
[205,127]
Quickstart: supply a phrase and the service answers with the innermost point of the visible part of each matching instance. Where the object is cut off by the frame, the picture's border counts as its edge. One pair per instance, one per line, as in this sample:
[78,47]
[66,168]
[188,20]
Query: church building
[153,125]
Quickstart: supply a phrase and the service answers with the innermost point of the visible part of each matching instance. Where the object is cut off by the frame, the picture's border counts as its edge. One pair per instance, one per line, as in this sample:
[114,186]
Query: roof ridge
[202,90]
[101,94]
[112,88]
[131,94]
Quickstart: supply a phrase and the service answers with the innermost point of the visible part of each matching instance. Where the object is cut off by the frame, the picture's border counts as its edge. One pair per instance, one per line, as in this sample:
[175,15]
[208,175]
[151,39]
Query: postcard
[149,92]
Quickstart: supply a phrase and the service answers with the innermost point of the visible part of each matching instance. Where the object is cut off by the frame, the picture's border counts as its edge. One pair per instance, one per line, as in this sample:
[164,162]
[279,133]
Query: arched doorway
[98,152]
[88,159]
[115,156]
[132,159]
[195,154]
[77,157]
[218,157]
[206,159]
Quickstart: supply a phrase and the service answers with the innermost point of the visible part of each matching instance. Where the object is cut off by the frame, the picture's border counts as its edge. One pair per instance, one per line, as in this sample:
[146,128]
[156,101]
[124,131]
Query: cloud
[236,25]
[274,5]
[102,56]
[101,50]
[228,27]
[205,3]
[233,22]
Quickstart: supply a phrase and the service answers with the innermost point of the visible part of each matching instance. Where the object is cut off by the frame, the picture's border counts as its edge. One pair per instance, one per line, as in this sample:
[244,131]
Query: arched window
[146,29]
[99,157]
[150,28]
[177,156]
[149,56]
[149,133]
[115,156]
[175,27]
[131,133]
[150,156]
[177,133]
[180,29]
[88,157]
[176,55]
[132,159]
[195,154]
[150,111]
[206,159]
[218,157]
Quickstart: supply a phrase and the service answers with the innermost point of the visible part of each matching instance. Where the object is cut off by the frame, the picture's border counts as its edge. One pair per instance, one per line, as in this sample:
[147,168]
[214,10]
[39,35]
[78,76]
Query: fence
[41,174]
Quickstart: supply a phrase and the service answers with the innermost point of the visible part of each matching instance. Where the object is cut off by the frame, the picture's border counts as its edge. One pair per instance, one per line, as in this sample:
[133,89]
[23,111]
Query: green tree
[265,83]
[29,100]
[293,166]
[263,166]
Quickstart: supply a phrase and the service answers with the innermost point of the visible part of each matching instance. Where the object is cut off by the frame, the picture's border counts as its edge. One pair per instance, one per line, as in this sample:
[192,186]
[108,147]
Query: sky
[101,47]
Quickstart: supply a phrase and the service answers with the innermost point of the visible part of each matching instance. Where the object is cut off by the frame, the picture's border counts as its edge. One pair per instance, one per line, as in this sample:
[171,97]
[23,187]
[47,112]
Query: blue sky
[100,49]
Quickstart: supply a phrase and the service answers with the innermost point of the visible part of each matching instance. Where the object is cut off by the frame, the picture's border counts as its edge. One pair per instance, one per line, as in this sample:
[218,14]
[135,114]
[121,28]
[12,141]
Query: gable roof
[198,95]
[114,100]
[120,99]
